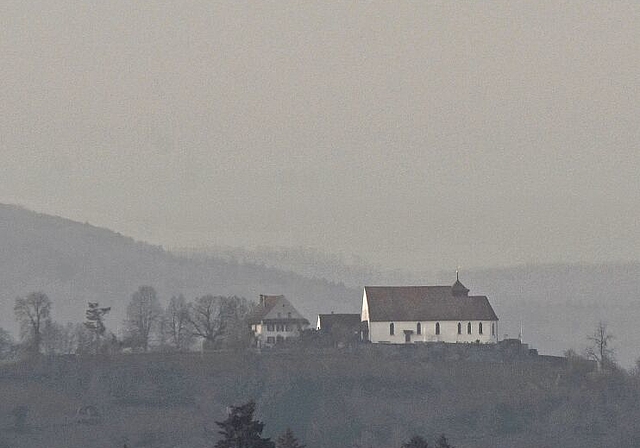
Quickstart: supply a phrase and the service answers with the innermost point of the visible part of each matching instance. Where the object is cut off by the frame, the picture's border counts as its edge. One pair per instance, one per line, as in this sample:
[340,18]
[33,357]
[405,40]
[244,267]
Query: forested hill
[75,263]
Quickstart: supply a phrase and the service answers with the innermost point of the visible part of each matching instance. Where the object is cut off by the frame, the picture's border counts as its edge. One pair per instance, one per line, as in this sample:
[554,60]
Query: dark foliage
[288,440]
[240,430]
[416,442]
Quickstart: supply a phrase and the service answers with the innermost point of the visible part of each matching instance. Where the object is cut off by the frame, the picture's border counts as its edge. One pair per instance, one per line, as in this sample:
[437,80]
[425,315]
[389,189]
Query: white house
[410,314]
[275,320]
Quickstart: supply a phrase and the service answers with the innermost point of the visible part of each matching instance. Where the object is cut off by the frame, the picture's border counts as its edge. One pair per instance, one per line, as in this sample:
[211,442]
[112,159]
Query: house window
[469,328]
[287,327]
[459,328]
[269,327]
[279,339]
[288,315]
[271,340]
[391,329]
[480,328]
[418,328]
[437,327]
[493,329]
[280,327]
[279,315]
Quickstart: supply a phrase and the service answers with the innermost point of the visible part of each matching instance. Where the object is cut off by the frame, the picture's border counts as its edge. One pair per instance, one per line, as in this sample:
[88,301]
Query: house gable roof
[425,303]
[275,308]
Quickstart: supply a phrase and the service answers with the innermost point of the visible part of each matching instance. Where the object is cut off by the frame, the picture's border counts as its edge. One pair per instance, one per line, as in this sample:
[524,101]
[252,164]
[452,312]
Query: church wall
[379,332]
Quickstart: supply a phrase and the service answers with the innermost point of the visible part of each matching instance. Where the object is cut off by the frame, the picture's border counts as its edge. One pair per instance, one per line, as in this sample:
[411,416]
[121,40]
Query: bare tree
[6,344]
[176,324]
[32,313]
[600,349]
[53,338]
[143,314]
[217,318]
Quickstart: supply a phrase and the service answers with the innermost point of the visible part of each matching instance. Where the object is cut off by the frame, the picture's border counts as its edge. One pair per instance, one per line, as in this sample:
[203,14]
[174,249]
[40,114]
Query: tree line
[216,322]
[241,430]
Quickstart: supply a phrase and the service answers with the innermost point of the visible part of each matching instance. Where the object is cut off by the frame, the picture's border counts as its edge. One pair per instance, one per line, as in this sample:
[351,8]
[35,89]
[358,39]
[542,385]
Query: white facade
[420,331]
[408,332]
[281,322]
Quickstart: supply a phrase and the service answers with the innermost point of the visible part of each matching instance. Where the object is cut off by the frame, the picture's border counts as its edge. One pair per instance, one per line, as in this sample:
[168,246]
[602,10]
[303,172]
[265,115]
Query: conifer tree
[240,430]
[95,322]
[442,442]
[416,442]
[288,440]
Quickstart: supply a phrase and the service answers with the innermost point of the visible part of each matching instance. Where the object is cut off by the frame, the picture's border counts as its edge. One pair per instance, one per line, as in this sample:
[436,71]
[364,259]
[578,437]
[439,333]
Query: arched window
[493,329]
[418,328]
[459,328]
[480,328]
[391,329]
[437,327]
[469,328]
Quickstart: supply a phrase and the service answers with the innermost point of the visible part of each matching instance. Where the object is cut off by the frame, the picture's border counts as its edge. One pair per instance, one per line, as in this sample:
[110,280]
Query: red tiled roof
[425,303]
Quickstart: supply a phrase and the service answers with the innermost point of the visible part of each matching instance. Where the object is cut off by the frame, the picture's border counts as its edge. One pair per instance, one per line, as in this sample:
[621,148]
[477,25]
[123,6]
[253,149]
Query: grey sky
[416,134]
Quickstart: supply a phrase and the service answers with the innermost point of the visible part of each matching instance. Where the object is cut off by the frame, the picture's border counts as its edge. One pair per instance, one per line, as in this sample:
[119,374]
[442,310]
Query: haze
[420,135]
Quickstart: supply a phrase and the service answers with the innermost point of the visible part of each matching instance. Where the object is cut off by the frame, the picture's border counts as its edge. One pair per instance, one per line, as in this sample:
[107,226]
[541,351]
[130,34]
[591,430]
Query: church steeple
[458,289]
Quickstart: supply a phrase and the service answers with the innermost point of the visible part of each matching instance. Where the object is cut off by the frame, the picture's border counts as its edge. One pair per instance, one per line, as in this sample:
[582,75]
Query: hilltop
[558,305]
[75,263]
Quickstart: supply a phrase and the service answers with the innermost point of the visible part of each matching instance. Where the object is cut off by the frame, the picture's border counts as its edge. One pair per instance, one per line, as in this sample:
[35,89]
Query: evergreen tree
[442,442]
[288,440]
[416,442]
[95,322]
[240,430]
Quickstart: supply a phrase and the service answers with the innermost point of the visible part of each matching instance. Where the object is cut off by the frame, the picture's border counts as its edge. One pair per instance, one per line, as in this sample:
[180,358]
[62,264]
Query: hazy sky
[418,134]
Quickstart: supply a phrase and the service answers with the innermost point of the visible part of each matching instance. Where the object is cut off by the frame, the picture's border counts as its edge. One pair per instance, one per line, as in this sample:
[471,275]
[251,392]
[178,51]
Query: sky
[416,134]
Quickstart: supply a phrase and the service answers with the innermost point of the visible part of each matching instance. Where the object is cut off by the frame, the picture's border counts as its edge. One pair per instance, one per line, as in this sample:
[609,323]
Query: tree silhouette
[32,312]
[288,440]
[416,442]
[600,349]
[143,313]
[95,322]
[240,430]
[442,442]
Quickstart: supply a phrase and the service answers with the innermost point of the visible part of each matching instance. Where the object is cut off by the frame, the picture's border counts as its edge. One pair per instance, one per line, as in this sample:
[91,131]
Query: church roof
[425,303]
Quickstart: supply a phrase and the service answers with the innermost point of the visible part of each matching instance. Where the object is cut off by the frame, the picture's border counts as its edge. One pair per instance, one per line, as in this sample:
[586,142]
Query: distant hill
[75,263]
[558,305]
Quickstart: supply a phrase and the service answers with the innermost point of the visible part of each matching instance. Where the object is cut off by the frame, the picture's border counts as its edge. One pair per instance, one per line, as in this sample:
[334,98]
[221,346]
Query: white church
[414,314]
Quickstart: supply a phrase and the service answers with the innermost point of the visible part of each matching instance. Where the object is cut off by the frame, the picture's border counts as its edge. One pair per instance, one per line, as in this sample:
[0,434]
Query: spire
[458,289]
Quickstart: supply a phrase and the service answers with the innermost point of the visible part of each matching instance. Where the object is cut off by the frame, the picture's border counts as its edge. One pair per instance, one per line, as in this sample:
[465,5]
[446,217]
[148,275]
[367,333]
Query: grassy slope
[334,399]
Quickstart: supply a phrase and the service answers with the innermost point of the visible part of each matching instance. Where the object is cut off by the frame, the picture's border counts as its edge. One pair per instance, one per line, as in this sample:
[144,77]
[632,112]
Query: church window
[459,328]
[418,328]
[469,328]
[391,329]
[493,329]
[437,327]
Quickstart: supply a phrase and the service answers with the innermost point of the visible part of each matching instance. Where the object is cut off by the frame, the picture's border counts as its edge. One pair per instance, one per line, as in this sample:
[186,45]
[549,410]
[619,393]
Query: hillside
[374,397]
[75,263]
